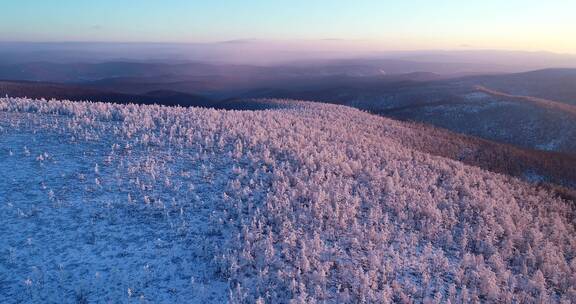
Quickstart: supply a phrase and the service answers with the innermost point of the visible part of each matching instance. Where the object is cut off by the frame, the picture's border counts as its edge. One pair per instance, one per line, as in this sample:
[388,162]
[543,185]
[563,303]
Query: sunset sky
[533,25]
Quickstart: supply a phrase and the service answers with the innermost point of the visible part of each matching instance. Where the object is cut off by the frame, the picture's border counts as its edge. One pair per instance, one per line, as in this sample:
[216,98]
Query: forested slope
[300,203]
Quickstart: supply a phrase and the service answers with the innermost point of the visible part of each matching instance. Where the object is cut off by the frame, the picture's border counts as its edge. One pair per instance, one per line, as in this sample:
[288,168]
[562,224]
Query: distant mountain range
[415,88]
[458,105]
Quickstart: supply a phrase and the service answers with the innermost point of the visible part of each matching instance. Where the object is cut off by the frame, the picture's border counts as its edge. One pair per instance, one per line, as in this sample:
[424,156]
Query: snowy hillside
[300,203]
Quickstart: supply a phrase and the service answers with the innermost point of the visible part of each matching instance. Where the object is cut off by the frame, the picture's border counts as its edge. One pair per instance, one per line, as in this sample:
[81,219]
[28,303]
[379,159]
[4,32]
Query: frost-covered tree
[315,203]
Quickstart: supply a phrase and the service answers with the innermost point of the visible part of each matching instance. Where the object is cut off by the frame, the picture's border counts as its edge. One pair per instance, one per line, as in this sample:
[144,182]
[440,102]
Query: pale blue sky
[410,24]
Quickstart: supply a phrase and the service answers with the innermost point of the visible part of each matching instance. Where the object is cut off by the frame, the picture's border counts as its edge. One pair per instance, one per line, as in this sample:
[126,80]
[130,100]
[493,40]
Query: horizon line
[288,41]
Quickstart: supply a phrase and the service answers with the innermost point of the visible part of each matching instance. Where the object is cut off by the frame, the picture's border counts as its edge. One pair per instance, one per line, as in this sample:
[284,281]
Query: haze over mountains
[481,100]
[436,87]
[268,52]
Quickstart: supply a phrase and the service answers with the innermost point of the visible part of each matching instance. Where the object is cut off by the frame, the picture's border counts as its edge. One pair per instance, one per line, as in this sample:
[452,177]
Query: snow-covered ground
[304,203]
[78,224]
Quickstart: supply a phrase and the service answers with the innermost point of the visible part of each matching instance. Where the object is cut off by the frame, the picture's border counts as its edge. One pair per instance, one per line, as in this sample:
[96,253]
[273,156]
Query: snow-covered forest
[298,203]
